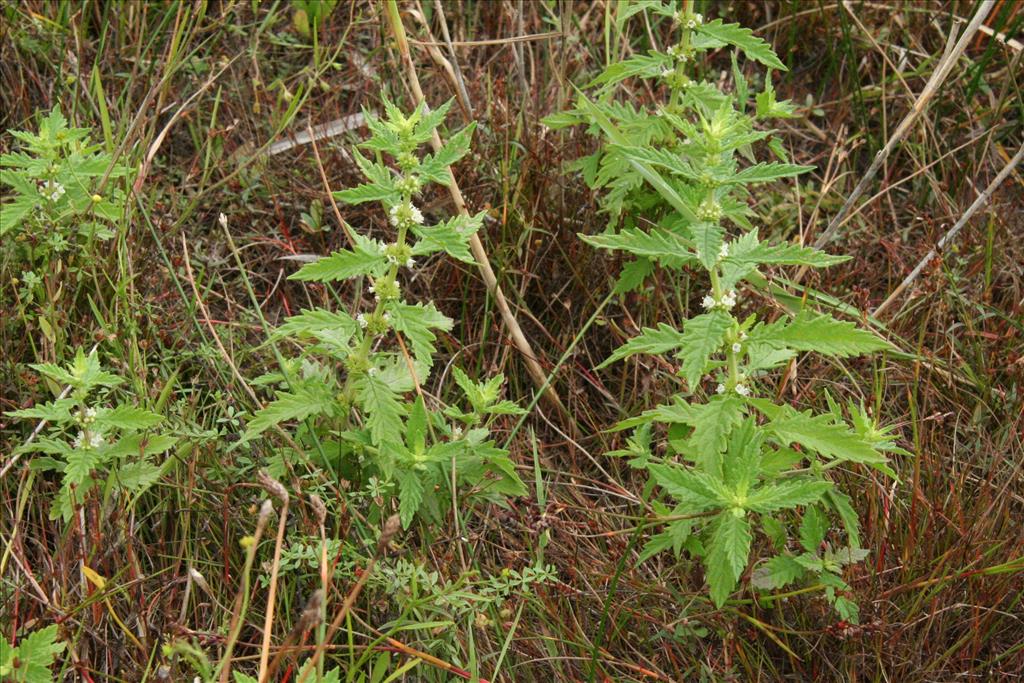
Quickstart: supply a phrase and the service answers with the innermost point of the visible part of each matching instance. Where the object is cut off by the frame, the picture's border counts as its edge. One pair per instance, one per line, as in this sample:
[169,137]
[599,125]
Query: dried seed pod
[273,486]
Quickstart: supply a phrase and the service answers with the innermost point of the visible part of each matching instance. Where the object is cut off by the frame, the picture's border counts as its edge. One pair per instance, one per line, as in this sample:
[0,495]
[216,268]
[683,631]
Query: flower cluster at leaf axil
[677,196]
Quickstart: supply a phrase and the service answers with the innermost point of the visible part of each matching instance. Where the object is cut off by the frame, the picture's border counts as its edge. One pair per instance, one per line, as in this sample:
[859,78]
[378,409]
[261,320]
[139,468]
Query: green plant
[31,659]
[55,207]
[57,213]
[427,600]
[372,421]
[96,443]
[733,460]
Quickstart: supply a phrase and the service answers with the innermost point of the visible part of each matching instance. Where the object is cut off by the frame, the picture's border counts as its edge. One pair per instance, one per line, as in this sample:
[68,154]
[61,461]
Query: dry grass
[941,594]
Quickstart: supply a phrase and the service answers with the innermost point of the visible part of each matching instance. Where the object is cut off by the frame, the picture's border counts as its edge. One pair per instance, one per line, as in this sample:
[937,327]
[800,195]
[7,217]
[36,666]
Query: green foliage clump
[61,207]
[359,383]
[732,461]
[96,443]
[55,176]
[31,659]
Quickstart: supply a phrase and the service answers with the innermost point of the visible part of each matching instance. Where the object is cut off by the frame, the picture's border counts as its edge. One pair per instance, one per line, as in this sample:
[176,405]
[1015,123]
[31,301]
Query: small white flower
[90,413]
[720,389]
[372,289]
[708,302]
[456,432]
[361,319]
[724,251]
[410,263]
[52,190]
[736,348]
[743,335]
[742,390]
[96,440]
[223,220]
[77,441]
[393,215]
[667,73]
[417,215]
[372,372]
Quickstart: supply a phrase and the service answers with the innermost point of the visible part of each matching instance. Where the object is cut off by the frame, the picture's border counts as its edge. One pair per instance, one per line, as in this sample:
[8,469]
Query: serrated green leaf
[742,464]
[727,554]
[821,435]
[767,107]
[55,411]
[435,166]
[743,38]
[303,402]
[633,274]
[563,119]
[432,118]
[410,495]
[690,488]
[659,245]
[332,329]
[366,259]
[34,656]
[368,192]
[746,253]
[712,424]
[778,572]
[643,66]
[649,174]
[141,445]
[451,236]
[813,528]
[843,506]
[12,213]
[819,333]
[650,341]
[708,239]
[138,476]
[786,494]
[128,417]
[383,410]
[674,536]
[417,323]
[703,335]
[766,172]
[80,464]
[678,412]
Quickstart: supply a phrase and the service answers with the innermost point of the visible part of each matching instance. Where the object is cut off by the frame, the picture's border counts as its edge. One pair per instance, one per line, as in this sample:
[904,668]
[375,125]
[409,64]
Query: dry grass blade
[952,232]
[938,77]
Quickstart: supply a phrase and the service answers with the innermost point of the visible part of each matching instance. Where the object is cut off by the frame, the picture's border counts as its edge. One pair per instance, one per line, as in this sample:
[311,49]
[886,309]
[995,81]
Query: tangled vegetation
[641,340]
